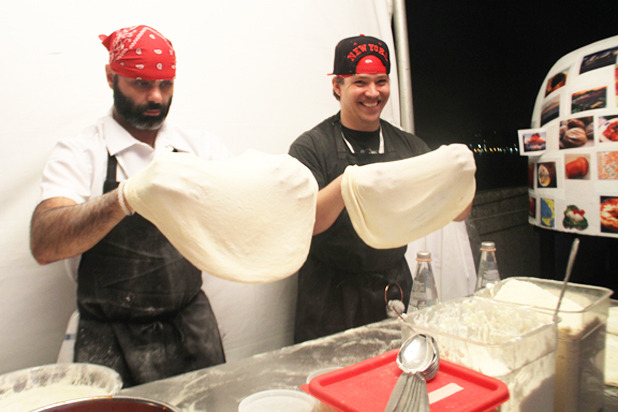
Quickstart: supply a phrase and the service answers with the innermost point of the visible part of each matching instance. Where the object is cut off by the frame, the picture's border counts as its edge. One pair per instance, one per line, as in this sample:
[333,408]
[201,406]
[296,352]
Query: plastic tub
[322,407]
[278,400]
[514,344]
[32,388]
[581,339]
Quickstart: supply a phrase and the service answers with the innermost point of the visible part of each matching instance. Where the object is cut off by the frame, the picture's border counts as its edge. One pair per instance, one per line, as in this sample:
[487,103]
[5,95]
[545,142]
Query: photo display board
[572,146]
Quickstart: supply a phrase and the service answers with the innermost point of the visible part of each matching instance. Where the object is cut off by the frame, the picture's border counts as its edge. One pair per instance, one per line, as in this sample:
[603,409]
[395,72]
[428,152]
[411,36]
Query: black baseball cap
[361,55]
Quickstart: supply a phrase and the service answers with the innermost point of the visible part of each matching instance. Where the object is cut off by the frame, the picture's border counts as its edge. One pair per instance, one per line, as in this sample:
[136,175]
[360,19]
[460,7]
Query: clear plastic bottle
[488,273]
[424,292]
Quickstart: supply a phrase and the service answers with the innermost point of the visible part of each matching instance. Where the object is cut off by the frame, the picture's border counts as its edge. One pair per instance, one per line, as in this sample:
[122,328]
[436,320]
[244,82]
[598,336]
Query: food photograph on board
[577,166]
[608,128]
[609,214]
[576,132]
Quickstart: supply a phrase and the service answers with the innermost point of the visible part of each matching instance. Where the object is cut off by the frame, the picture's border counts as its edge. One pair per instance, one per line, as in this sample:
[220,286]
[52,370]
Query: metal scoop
[419,360]
[567,276]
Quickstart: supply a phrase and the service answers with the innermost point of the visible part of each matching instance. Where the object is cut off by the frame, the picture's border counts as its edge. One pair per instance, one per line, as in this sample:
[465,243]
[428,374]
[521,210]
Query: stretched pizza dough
[248,219]
[394,203]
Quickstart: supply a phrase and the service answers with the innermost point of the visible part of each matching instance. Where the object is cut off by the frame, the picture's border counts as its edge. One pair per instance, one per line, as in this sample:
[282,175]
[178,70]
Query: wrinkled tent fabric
[394,203]
[249,219]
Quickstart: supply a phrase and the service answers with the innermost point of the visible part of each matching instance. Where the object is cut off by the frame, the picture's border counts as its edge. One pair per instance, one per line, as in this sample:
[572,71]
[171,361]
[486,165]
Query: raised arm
[329,206]
[61,228]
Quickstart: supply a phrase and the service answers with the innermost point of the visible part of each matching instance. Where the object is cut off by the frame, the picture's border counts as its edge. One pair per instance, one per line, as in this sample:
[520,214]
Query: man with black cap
[345,283]
[142,310]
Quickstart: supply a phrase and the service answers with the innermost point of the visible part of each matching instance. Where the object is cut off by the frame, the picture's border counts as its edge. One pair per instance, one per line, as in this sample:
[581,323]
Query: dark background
[477,67]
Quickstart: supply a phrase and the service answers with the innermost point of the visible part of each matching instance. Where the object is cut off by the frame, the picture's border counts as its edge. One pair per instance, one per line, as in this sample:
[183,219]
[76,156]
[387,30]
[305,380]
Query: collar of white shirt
[118,139]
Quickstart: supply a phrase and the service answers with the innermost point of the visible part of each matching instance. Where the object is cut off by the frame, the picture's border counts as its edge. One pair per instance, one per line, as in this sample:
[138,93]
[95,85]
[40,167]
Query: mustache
[152,106]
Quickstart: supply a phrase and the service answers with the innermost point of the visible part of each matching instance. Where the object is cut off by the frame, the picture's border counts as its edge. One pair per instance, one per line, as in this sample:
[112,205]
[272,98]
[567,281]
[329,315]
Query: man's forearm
[61,228]
[329,206]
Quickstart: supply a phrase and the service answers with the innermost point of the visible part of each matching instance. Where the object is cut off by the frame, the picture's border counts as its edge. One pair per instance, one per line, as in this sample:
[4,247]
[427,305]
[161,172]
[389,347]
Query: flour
[611,348]
[527,293]
[611,360]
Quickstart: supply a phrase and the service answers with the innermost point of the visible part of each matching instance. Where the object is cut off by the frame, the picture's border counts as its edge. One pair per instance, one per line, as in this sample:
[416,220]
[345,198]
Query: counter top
[221,388]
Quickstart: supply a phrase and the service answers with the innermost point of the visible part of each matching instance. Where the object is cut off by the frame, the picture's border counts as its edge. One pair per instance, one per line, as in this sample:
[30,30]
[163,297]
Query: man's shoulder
[86,138]
[319,133]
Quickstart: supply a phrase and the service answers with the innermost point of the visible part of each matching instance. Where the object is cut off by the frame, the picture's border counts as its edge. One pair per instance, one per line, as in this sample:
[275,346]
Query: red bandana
[140,52]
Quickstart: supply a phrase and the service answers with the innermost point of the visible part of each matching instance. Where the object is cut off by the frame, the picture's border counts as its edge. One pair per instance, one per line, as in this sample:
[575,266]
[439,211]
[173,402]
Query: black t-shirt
[362,142]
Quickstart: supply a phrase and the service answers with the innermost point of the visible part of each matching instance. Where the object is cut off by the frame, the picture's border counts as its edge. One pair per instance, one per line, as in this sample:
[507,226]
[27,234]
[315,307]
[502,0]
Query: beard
[134,114]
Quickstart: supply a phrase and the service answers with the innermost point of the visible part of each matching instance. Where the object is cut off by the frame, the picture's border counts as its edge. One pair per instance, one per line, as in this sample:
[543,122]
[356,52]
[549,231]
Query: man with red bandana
[141,306]
[345,283]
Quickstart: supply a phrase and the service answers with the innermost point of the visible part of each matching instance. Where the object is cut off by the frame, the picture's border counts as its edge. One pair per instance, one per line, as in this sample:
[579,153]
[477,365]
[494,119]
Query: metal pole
[400,28]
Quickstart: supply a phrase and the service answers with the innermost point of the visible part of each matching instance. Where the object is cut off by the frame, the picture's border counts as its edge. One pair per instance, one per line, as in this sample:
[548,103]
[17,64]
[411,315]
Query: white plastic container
[278,400]
[581,339]
[34,388]
[322,407]
[514,344]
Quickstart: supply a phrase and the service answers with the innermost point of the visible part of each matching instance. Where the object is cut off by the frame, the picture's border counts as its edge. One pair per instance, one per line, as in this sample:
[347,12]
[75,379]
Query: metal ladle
[419,360]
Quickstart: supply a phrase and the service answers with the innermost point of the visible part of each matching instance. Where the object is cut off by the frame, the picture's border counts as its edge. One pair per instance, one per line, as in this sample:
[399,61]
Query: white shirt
[77,166]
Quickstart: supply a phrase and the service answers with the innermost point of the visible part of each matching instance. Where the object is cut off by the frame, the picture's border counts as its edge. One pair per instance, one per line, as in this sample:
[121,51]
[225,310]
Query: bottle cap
[423,256]
[489,246]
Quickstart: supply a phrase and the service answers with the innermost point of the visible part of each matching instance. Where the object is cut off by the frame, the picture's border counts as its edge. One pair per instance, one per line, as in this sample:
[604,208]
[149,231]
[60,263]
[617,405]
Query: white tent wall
[254,73]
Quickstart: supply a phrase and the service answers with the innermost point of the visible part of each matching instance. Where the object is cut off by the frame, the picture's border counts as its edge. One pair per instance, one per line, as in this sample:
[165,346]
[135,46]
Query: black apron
[142,310]
[345,283]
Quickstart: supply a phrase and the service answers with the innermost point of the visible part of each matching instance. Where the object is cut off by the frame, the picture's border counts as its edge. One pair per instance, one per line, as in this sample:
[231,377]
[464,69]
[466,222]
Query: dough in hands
[394,203]
[248,219]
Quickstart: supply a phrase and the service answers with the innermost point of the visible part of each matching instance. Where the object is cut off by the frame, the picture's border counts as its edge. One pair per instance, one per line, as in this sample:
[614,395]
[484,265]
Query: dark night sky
[477,66]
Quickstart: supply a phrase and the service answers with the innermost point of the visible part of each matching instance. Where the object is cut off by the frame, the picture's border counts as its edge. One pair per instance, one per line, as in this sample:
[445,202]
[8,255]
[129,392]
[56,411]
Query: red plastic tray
[366,387]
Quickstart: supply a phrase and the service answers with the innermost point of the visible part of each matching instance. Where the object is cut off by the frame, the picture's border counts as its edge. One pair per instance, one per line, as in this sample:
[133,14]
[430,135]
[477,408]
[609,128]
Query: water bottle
[488,266]
[424,292]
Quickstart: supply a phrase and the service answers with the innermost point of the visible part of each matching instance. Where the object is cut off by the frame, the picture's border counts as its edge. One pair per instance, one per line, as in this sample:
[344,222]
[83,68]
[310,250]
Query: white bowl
[33,388]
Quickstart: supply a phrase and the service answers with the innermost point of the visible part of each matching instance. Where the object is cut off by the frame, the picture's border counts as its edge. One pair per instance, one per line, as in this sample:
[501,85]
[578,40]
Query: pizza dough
[393,203]
[247,219]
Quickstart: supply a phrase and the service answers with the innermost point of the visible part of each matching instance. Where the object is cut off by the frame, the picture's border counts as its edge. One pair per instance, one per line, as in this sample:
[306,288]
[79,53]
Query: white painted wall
[253,73]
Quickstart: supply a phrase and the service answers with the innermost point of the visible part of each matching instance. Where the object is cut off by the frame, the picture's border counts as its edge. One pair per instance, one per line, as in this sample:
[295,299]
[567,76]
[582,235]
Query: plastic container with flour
[504,341]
